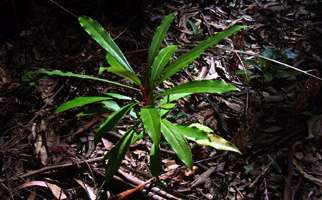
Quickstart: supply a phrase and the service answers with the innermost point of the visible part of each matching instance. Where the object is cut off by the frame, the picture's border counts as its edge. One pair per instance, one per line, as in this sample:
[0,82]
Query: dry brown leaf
[87,188]
[41,150]
[55,189]
[107,144]
[170,165]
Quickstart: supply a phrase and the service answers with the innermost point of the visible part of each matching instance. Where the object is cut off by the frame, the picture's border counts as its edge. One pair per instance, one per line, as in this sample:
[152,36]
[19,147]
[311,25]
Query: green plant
[150,112]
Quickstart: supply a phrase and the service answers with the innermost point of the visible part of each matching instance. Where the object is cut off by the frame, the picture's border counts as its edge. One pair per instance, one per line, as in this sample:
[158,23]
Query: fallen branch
[53,167]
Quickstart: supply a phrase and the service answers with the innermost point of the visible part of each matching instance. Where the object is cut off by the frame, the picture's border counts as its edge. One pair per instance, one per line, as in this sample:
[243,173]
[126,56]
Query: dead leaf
[170,165]
[87,188]
[55,190]
[41,150]
[107,144]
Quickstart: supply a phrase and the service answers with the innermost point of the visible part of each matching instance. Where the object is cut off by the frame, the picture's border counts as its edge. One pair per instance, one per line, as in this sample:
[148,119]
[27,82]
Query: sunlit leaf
[203,135]
[116,155]
[137,136]
[158,37]
[177,142]
[118,96]
[161,61]
[111,121]
[202,86]
[151,121]
[111,105]
[80,101]
[133,114]
[101,70]
[222,144]
[165,108]
[98,33]
[190,56]
[201,127]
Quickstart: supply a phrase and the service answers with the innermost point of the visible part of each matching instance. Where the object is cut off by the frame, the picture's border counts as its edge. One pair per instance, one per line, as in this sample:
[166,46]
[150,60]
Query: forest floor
[275,119]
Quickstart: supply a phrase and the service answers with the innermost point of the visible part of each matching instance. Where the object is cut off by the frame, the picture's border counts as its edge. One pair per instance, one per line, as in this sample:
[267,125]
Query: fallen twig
[204,177]
[128,193]
[156,190]
[264,172]
[53,167]
[272,60]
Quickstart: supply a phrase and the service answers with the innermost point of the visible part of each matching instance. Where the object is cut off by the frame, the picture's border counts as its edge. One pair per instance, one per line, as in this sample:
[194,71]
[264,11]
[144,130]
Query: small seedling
[149,113]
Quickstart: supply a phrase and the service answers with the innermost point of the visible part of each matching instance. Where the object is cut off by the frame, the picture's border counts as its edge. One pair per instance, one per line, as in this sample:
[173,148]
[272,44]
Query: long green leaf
[103,38]
[118,69]
[118,96]
[116,155]
[114,106]
[166,105]
[173,97]
[137,136]
[111,105]
[81,76]
[161,61]
[112,121]
[124,74]
[190,56]
[79,101]
[155,160]
[177,142]
[158,37]
[203,86]
[200,134]
[151,120]
[165,108]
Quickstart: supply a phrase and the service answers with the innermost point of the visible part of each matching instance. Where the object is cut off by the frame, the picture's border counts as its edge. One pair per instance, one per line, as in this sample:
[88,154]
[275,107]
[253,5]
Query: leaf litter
[273,120]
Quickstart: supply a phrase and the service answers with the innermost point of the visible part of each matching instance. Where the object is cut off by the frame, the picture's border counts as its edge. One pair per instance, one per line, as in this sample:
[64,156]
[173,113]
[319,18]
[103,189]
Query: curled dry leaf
[89,190]
[107,144]
[55,189]
[41,150]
